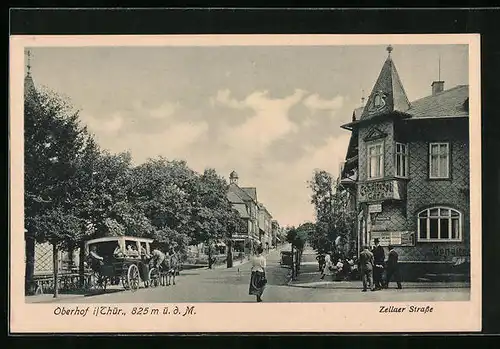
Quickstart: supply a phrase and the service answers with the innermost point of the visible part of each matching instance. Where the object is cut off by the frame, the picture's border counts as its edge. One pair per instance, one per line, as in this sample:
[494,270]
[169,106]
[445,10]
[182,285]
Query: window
[439,224]
[439,160]
[401,160]
[376,160]
[378,101]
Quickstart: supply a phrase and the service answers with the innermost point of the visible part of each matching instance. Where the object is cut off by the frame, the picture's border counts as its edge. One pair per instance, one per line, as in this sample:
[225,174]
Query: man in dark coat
[378,261]
[392,268]
[366,268]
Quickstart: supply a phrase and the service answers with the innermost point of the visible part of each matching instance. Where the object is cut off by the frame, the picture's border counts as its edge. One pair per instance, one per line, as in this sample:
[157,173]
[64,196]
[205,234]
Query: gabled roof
[240,192]
[388,94]
[252,192]
[234,198]
[263,208]
[242,210]
[448,103]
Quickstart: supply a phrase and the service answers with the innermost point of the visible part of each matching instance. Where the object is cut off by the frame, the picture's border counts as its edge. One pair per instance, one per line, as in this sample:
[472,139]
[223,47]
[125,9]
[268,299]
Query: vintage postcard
[257,183]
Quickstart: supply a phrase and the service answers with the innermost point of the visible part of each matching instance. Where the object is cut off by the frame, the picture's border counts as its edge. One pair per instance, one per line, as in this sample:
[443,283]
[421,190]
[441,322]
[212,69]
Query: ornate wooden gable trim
[374,134]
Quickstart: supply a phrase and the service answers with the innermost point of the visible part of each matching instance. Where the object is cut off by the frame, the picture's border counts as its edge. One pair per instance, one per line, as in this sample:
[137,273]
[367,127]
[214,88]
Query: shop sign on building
[379,191]
[395,238]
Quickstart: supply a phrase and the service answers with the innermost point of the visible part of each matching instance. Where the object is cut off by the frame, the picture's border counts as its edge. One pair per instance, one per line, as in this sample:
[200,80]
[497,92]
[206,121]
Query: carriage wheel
[95,281]
[125,282]
[154,279]
[88,283]
[103,283]
[133,277]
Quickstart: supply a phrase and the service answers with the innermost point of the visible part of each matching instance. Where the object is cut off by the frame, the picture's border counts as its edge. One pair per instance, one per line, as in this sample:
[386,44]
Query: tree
[333,216]
[322,199]
[164,192]
[54,143]
[215,218]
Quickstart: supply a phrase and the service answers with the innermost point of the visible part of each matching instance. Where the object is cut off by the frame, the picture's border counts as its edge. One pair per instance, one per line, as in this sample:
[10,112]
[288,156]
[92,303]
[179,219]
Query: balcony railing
[382,190]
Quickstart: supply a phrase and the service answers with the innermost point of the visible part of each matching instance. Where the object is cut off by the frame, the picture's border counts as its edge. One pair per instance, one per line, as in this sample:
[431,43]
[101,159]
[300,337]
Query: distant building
[265,228]
[275,233]
[408,164]
[256,227]
[244,200]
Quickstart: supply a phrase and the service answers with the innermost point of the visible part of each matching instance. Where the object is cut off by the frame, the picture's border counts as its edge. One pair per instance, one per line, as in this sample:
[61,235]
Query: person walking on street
[366,268]
[379,259]
[321,261]
[258,279]
[393,268]
[327,267]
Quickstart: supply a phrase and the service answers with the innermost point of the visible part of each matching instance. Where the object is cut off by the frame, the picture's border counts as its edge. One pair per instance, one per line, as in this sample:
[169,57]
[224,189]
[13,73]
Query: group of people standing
[372,265]
[340,268]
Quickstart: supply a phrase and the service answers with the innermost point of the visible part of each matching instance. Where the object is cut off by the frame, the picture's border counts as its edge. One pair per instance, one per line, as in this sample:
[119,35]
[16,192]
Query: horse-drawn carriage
[120,259]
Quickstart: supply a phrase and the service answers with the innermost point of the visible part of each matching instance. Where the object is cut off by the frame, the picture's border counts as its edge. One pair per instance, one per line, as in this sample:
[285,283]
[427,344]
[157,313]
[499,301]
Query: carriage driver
[96,261]
[158,260]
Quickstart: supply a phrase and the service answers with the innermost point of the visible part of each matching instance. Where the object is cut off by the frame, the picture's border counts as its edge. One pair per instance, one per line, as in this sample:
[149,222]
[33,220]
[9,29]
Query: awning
[254,238]
[220,244]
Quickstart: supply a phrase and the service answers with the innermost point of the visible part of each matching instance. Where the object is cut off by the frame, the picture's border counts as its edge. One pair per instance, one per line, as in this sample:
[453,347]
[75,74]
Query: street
[231,285]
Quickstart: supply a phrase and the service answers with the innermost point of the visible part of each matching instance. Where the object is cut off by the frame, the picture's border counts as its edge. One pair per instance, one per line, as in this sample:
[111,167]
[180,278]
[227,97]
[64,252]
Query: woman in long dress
[258,278]
[328,266]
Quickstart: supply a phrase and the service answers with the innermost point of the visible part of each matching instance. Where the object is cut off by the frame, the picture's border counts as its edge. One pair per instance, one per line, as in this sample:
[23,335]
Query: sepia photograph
[165,176]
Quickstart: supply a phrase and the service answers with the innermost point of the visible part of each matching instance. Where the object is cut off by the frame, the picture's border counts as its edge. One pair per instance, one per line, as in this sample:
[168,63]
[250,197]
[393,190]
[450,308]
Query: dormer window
[378,101]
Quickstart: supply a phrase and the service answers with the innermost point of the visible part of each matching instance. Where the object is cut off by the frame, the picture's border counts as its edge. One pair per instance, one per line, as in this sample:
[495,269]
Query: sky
[270,113]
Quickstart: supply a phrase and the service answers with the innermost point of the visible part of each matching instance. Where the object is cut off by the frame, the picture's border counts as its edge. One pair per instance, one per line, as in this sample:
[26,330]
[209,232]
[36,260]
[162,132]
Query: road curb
[355,287]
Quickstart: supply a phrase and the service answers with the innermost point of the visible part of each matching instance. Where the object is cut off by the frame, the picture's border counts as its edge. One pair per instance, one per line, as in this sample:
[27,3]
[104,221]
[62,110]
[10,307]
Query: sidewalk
[237,263]
[49,298]
[309,277]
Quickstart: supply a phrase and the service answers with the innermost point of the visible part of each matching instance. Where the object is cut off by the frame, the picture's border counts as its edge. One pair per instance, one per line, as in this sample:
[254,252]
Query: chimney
[437,87]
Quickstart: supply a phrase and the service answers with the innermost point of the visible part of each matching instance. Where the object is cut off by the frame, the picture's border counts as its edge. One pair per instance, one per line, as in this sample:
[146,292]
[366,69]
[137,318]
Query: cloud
[270,121]
[256,136]
[287,182]
[146,131]
[173,143]
[223,98]
[164,111]
[111,124]
[314,102]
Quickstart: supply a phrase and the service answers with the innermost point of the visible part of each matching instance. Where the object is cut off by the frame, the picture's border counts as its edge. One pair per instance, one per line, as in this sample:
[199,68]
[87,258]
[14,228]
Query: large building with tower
[407,164]
[256,221]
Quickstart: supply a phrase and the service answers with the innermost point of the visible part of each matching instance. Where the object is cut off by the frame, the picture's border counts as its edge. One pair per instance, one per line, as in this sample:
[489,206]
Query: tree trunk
[81,264]
[229,258]
[30,264]
[293,264]
[209,256]
[55,263]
